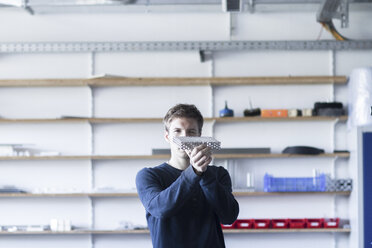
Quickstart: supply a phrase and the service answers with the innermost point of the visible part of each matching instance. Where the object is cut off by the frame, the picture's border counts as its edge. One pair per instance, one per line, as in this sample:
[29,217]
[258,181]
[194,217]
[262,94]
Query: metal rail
[83,47]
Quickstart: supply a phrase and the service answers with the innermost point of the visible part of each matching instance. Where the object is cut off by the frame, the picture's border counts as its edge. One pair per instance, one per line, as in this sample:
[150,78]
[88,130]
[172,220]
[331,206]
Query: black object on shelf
[341,151]
[328,109]
[252,111]
[160,151]
[307,150]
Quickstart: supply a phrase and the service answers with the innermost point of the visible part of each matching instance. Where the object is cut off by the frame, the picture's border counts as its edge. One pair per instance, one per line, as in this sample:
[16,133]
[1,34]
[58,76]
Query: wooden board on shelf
[166,156]
[179,81]
[134,194]
[98,120]
[146,231]
[260,193]
[274,119]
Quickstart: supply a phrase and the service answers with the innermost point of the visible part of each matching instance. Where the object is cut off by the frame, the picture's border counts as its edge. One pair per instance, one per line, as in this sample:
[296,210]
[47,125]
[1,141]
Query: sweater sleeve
[164,203]
[216,186]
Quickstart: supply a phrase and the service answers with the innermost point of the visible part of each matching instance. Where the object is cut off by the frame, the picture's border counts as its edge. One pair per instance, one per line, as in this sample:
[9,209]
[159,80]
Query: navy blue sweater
[185,210]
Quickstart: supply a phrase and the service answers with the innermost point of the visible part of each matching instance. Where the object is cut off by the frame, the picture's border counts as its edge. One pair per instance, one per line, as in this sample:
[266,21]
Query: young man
[186,200]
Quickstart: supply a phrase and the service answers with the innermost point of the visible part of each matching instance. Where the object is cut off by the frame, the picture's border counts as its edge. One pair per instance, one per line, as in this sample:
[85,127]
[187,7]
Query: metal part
[205,56]
[344,10]
[190,142]
[232,5]
[26,6]
[333,62]
[92,64]
[233,22]
[88,47]
[251,6]
[330,9]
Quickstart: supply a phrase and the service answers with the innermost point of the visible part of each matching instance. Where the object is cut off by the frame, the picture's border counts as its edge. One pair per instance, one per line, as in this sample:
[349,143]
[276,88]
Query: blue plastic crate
[294,184]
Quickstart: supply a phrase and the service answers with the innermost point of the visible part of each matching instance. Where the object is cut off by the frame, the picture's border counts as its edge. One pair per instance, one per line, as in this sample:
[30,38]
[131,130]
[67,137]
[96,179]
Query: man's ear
[166,136]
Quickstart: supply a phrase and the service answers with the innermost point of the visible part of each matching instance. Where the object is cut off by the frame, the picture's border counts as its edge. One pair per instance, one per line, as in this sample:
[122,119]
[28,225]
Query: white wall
[76,138]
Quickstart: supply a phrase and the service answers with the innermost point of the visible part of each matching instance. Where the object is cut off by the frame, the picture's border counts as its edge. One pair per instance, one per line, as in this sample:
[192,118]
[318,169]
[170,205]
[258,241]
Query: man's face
[181,127]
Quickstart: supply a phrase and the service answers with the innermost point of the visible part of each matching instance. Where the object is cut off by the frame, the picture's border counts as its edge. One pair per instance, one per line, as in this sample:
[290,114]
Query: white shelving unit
[107,141]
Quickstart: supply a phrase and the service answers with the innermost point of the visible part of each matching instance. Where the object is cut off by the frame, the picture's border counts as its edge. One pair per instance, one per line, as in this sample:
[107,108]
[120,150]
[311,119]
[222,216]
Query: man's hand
[200,157]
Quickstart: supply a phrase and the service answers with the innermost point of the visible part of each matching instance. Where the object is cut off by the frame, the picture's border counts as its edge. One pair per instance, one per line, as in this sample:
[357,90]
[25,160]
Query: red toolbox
[279,223]
[314,223]
[297,223]
[226,226]
[261,223]
[332,223]
[244,223]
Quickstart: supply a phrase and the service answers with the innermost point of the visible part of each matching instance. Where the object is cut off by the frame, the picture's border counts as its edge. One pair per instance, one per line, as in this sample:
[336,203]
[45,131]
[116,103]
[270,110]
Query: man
[185,199]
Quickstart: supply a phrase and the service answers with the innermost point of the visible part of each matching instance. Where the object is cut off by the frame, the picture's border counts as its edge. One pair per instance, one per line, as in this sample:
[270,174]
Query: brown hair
[183,111]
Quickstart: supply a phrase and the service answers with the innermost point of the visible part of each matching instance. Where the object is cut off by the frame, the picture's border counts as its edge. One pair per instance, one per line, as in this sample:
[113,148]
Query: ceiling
[117,6]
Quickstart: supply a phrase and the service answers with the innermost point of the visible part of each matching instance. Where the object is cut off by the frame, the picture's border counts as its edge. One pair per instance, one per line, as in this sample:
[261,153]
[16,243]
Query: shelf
[145,231]
[159,120]
[273,119]
[293,230]
[205,81]
[27,195]
[165,156]
[242,193]
[84,157]
[281,155]
[134,194]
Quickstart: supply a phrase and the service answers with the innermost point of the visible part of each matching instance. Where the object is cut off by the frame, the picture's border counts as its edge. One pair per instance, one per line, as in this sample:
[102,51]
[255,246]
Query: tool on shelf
[252,111]
[226,112]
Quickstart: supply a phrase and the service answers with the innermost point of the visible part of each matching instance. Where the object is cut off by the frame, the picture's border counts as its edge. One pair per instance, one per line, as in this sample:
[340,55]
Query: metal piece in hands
[188,143]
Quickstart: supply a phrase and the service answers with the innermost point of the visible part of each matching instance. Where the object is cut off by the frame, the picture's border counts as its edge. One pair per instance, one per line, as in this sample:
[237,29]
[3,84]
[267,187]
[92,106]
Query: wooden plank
[43,120]
[146,231]
[125,120]
[166,156]
[289,230]
[27,195]
[274,119]
[134,194]
[197,81]
[280,155]
[242,193]
[159,120]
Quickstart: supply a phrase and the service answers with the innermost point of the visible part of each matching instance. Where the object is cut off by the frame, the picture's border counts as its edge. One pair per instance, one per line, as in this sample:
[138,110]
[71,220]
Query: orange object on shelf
[274,113]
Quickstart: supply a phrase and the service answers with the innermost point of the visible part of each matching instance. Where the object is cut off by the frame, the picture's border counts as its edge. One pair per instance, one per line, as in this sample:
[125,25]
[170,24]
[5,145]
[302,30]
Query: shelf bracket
[205,56]
[251,6]
[26,6]
[232,24]
[92,64]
